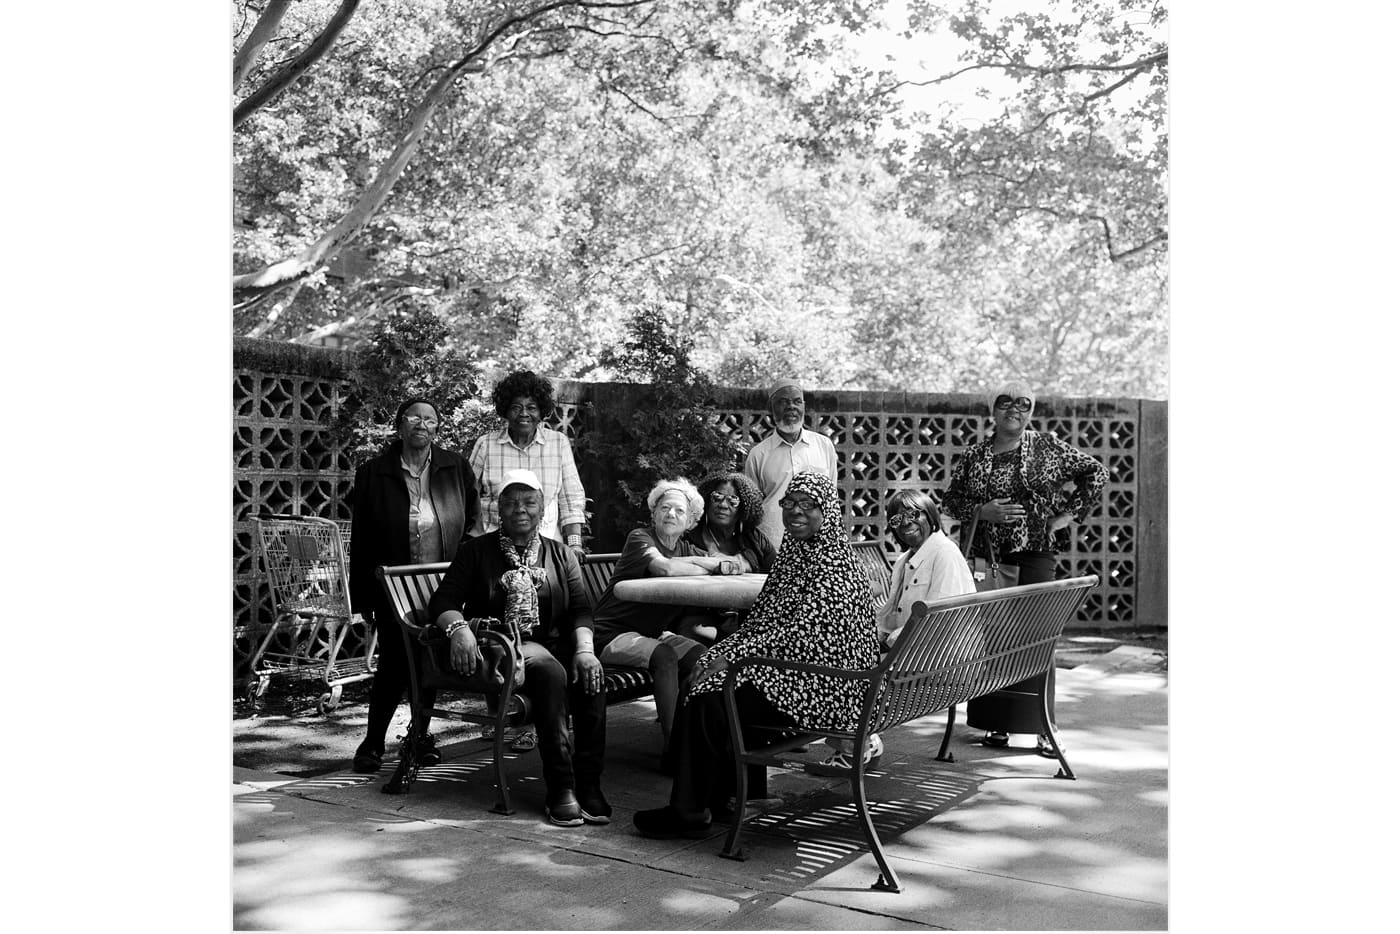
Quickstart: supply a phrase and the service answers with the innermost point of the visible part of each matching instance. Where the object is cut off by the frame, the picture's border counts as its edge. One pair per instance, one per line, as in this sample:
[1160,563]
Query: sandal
[839,763]
[525,742]
[1043,747]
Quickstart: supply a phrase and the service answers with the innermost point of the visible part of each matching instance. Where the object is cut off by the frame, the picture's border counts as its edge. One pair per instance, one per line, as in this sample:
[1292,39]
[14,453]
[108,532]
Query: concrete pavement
[990,842]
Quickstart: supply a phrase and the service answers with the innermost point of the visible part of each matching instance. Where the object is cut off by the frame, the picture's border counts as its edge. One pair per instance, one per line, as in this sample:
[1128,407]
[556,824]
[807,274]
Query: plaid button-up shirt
[551,459]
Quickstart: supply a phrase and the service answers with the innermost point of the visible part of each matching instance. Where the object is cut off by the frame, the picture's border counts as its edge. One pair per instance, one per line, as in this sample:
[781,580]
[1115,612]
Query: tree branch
[264,29]
[280,274]
[1136,67]
[1114,256]
[298,66]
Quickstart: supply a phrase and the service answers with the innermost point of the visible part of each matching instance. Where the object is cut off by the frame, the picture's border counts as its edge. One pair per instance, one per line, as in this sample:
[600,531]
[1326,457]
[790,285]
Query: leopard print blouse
[1034,475]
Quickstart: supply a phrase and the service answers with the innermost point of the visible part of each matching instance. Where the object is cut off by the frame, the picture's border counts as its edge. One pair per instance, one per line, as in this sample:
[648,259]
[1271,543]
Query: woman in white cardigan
[931,567]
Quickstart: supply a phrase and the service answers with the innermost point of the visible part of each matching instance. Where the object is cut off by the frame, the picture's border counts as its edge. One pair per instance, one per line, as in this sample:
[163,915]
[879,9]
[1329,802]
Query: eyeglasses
[805,505]
[903,520]
[724,499]
[1006,402]
[418,421]
[516,411]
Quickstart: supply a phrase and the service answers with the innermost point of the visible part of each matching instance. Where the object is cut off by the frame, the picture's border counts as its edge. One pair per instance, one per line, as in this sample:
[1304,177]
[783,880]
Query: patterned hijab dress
[815,607]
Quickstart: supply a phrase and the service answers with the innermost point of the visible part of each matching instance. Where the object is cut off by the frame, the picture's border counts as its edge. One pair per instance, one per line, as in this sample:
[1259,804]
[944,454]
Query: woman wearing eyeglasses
[730,526]
[1016,483]
[932,567]
[411,504]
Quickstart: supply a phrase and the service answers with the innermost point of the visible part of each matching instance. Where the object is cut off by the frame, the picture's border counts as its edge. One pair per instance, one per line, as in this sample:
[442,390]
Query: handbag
[988,573]
[498,642]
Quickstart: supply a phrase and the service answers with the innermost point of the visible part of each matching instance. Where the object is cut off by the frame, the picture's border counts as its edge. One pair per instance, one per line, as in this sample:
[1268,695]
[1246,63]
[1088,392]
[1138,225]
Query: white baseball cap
[521,478]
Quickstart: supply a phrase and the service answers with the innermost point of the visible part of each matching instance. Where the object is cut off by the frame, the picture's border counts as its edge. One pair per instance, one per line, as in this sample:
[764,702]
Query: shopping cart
[308,574]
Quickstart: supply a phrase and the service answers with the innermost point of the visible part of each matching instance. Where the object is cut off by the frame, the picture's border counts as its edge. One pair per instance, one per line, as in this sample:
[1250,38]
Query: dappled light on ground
[992,840]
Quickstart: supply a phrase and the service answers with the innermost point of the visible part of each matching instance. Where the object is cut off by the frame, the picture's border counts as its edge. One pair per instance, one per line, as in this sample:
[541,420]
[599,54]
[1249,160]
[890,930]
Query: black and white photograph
[699,465]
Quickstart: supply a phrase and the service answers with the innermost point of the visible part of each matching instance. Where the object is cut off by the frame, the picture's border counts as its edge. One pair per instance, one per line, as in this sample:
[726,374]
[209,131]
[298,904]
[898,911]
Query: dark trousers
[1001,712]
[567,763]
[704,750]
[390,683]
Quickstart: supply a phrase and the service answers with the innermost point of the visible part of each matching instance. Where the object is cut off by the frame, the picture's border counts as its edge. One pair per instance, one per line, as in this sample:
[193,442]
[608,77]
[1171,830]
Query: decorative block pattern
[881,451]
[285,462]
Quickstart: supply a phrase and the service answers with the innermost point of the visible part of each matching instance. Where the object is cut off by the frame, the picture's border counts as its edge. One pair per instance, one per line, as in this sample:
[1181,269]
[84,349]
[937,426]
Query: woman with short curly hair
[525,400]
[656,636]
[730,526]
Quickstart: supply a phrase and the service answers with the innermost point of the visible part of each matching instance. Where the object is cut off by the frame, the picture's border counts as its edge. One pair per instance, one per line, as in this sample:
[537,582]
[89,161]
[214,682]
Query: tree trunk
[297,66]
[264,29]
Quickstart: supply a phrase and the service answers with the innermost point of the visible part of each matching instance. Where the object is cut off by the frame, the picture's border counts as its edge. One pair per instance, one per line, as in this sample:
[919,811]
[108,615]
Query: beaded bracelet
[455,625]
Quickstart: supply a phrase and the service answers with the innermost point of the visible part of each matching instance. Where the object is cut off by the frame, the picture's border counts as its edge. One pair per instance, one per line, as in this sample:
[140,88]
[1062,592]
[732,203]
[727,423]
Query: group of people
[510,519]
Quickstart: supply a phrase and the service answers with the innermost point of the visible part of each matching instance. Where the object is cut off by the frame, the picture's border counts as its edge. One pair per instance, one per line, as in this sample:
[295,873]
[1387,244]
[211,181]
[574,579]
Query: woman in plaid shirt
[525,400]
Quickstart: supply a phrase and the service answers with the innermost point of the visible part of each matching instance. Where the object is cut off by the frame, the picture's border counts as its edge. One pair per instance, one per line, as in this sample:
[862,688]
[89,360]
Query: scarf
[521,583]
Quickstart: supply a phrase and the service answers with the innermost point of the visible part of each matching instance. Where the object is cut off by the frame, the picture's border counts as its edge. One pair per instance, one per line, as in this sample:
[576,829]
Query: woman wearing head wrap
[814,607]
[412,504]
[1014,483]
[655,636]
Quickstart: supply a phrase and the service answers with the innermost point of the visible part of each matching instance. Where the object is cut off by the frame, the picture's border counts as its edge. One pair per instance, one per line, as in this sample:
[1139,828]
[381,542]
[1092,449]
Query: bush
[672,431]
[410,353]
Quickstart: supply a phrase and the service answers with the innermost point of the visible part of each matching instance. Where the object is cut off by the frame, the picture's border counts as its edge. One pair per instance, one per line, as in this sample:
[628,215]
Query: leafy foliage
[671,431]
[735,166]
[407,355]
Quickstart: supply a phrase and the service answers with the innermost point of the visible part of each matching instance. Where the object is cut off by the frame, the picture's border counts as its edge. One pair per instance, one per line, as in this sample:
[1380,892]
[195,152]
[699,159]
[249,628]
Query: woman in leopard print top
[1015,483]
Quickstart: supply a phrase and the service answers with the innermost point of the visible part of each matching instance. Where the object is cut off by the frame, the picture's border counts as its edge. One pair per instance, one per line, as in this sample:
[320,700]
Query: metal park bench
[409,588]
[950,652]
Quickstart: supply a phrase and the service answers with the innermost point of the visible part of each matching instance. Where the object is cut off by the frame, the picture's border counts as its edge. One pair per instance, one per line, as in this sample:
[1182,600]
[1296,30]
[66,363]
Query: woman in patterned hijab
[814,607]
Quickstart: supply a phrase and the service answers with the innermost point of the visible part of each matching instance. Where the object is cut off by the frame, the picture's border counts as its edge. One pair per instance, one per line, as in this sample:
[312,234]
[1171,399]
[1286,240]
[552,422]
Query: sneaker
[427,750]
[1044,748]
[666,824]
[562,809]
[367,759]
[525,742]
[593,805]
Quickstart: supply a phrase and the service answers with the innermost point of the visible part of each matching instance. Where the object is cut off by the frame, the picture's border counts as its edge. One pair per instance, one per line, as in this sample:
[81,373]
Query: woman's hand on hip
[1060,521]
[466,654]
[1003,510]
[588,670]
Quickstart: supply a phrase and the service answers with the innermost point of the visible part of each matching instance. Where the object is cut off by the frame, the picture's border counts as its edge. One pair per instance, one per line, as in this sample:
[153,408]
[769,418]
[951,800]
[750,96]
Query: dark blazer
[472,586]
[379,520]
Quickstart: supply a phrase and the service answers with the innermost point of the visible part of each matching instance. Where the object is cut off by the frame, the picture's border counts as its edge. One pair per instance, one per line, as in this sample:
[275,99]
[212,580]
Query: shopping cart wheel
[329,701]
[255,688]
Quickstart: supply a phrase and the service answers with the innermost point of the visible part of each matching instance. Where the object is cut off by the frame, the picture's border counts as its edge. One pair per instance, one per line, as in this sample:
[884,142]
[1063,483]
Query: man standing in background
[791,447]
